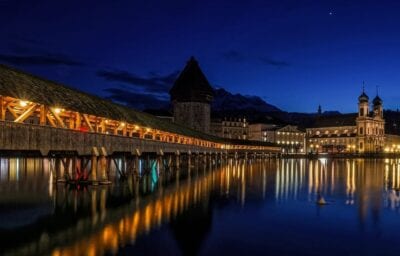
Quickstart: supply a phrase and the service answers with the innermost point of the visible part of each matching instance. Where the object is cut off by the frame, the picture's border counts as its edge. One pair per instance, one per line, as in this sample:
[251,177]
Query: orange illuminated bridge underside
[23,111]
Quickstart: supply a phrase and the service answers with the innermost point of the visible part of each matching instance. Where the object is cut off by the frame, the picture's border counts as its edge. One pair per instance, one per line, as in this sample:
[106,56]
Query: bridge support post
[103,167]
[137,167]
[103,171]
[159,162]
[189,156]
[209,161]
[196,159]
[93,167]
[160,155]
[177,160]
[59,170]
[136,160]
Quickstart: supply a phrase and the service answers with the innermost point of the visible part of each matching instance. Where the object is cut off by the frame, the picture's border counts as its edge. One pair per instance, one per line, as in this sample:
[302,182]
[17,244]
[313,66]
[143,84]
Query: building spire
[363,87]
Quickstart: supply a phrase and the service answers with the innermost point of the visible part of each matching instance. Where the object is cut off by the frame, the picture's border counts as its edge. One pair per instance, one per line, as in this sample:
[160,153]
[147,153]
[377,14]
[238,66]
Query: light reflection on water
[122,218]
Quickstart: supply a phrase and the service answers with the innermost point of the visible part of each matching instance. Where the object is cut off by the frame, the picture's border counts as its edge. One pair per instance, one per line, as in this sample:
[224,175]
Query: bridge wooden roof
[18,84]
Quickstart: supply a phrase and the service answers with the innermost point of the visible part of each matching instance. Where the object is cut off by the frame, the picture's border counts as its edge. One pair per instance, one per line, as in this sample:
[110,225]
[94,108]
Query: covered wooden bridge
[45,117]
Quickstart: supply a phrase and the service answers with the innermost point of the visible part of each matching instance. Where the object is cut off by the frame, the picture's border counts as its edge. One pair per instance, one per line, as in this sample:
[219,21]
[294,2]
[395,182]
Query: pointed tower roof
[192,85]
[377,100]
[363,97]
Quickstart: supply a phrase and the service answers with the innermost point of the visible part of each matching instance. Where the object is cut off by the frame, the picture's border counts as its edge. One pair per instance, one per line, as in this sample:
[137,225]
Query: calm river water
[259,207]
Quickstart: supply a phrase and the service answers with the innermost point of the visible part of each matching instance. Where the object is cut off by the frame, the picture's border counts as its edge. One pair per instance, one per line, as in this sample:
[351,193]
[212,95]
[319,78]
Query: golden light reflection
[166,207]
[289,179]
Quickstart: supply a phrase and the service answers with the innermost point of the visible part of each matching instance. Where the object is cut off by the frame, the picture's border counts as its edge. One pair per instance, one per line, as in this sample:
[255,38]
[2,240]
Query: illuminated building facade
[231,128]
[260,131]
[363,132]
[289,137]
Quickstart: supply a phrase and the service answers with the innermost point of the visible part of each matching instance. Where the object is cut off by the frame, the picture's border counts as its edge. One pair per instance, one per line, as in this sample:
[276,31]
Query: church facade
[360,133]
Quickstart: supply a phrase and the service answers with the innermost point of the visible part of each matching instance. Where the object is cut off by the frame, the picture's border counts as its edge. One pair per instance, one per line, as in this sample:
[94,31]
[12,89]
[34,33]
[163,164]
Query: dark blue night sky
[293,54]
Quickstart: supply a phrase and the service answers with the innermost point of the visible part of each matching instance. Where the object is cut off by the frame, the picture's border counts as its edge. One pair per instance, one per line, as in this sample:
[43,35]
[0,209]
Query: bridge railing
[16,136]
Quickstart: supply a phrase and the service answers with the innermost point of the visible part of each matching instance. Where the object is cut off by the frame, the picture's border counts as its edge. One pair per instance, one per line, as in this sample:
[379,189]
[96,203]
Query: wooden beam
[71,121]
[12,111]
[77,121]
[58,118]
[43,113]
[121,127]
[96,124]
[124,130]
[86,118]
[103,126]
[26,114]
[2,108]
[51,121]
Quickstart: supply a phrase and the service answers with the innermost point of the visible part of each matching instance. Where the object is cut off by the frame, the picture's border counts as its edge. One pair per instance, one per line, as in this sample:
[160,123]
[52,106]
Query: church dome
[363,97]
[377,100]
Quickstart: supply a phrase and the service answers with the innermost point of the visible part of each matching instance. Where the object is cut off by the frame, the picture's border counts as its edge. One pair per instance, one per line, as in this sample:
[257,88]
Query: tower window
[361,111]
[361,130]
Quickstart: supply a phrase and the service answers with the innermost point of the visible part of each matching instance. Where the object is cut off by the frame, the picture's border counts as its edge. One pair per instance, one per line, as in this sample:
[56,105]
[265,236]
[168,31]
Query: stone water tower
[191,98]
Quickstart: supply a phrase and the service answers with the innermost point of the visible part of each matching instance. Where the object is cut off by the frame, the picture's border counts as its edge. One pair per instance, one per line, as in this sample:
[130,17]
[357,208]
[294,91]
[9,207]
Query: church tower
[363,102]
[319,111]
[379,124]
[378,107]
[362,121]
[191,97]
[370,126]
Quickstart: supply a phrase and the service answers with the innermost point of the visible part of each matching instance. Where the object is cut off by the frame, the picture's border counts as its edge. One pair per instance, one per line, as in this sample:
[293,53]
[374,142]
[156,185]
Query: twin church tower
[370,125]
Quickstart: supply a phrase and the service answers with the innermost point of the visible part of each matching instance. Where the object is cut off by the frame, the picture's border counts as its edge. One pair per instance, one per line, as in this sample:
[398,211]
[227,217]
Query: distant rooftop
[335,120]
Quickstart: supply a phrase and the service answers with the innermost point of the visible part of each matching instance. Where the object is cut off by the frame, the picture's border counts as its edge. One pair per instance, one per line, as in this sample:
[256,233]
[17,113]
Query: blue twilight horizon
[295,55]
